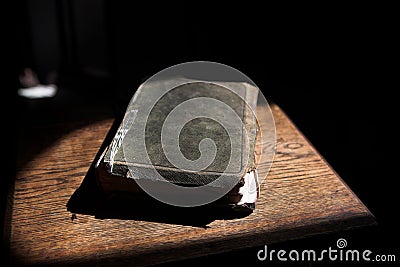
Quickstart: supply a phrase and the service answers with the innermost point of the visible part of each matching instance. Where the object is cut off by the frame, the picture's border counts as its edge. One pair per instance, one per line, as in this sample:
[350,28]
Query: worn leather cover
[125,153]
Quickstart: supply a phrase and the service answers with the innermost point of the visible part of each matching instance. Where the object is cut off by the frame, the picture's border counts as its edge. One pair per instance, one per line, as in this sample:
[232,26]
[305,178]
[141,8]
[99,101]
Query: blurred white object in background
[38,91]
[32,87]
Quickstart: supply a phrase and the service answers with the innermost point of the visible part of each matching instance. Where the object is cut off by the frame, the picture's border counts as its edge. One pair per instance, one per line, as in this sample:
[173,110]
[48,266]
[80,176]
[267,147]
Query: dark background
[328,67]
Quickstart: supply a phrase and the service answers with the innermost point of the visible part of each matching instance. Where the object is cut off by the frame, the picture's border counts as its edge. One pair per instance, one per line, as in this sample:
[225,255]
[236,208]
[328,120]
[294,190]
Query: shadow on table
[90,200]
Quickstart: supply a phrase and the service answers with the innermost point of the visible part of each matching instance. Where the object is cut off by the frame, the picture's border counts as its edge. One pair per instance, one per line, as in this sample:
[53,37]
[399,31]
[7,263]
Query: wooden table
[302,196]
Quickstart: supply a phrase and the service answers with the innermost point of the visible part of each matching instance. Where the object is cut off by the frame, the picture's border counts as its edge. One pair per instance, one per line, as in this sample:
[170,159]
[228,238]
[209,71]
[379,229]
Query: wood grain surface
[301,196]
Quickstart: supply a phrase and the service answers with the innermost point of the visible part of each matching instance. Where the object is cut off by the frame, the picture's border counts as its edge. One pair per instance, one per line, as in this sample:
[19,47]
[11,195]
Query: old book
[138,147]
